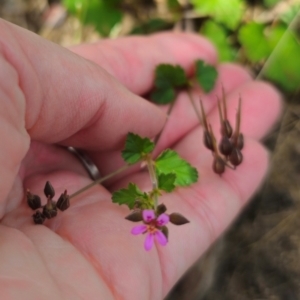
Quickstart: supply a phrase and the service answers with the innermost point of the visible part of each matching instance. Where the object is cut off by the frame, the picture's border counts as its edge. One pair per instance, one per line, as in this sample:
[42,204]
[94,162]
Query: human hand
[51,96]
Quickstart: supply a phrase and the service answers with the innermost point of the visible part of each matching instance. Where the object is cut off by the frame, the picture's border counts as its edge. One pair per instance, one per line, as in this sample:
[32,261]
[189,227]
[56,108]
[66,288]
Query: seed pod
[225,146]
[38,217]
[33,201]
[63,201]
[219,165]
[161,208]
[49,210]
[49,190]
[165,231]
[178,219]
[135,216]
[236,157]
[226,129]
[240,141]
[207,140]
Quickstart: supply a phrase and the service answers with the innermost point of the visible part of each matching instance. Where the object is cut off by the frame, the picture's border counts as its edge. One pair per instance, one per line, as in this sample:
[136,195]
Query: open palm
[52,97]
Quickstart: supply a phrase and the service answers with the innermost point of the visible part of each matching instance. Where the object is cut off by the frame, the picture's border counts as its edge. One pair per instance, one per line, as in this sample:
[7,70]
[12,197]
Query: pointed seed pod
[226,129]
[38,217]
[135,216]
[178,219]
[33,201]
[63,201]
[165,231]
[49,190]
[161,208]
[219,165]
[207,140]
[49,210]
[236,157]
[225,146]
[240,141]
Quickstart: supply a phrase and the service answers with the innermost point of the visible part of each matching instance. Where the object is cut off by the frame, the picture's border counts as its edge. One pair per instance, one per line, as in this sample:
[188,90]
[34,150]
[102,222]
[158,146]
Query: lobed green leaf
[136,147]
[206,75]
[168,75]
[166,182]
[227,12]
[169,162]
[219,37]
[128,196]
[163,95]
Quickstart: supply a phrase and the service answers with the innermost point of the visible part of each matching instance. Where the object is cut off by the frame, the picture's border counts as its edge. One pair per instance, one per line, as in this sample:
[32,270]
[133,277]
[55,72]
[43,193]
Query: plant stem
[153,178]
[100,180]
[194,106]
[168,114]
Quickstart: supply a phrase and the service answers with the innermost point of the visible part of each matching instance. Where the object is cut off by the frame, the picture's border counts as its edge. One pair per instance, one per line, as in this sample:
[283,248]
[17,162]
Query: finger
[132,60]
[71,100]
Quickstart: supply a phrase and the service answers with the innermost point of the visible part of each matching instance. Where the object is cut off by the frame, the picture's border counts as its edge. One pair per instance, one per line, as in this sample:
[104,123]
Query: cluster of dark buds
[228,153]
[49,210]
[154,226]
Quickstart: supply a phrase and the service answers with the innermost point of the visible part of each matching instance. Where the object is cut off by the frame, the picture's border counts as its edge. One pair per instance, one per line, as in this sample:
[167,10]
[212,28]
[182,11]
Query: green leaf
[259,41]
[167,79]
[173,5]
[166,182]
[163,95]
[206,75]
[170,162]
[169,75]
[284,65]
[104,15]
[227,12]
[254,41]
[129,196]
[151,26]
[136,147]
[219,37]
[270,3]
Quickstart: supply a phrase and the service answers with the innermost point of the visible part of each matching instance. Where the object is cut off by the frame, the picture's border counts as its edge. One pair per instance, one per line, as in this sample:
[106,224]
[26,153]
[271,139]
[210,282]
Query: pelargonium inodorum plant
[168,170]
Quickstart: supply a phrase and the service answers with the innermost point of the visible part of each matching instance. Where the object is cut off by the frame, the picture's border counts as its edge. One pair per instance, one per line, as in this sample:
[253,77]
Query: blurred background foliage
[244,31]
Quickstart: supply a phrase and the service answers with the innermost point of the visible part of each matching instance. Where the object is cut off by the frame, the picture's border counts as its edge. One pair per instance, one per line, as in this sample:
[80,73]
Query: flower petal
[139,229]
[162,220]
[148,215]
[161,238]
[149,241]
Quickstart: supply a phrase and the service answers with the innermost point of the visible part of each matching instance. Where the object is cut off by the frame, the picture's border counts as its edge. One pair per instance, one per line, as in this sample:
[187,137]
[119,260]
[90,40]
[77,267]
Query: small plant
[168,170]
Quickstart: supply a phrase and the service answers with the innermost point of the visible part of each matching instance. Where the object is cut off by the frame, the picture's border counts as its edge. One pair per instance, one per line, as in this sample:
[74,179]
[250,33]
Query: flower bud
[161,208]
[49,190]
[165,231]
[33,201]
[135,216]
[178,219]
[38,217]
[63,201]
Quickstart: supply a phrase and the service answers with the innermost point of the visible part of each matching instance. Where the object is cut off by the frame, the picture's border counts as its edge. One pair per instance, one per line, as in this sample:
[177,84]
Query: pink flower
[153,227]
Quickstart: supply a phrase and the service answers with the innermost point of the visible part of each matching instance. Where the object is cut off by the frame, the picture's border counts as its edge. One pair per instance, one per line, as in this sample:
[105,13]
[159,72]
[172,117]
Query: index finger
[132,60]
